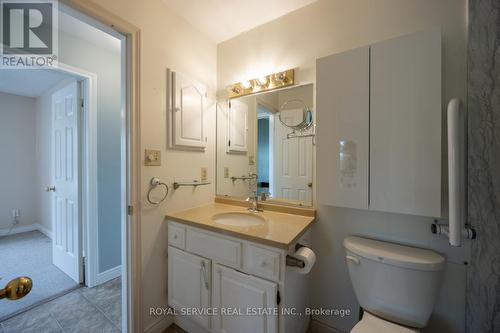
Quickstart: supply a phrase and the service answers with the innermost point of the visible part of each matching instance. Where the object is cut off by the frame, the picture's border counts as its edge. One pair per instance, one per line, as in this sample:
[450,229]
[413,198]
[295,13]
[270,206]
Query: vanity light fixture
[263,83]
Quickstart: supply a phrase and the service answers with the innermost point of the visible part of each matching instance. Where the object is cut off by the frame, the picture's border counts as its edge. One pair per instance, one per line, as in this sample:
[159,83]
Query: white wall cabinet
[379,126]
[237,126]
[246,295]
[343,101]
[236,290]
[186,104]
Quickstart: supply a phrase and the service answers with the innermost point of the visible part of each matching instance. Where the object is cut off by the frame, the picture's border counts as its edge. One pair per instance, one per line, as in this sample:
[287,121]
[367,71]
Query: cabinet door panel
[405,125]
[186,108]
[342,98]
[189,283]
[233,290]
[237,126]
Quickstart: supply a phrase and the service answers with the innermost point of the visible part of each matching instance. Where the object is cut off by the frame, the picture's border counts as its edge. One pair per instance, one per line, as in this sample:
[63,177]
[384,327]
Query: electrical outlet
[204,174]
[152,157]
[226,172]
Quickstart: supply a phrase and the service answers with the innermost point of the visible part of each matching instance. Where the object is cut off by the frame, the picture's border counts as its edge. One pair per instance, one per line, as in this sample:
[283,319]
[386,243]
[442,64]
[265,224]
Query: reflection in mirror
[265,146]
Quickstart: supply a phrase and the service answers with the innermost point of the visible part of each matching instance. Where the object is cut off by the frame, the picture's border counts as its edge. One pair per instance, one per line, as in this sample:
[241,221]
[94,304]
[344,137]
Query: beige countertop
[279,230]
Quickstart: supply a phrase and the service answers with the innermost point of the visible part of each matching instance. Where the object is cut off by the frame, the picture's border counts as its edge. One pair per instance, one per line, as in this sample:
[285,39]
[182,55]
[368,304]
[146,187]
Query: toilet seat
[373,324]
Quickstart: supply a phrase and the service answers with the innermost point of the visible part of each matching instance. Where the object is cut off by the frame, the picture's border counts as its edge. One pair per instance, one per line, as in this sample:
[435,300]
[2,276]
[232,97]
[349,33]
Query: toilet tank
[395,282]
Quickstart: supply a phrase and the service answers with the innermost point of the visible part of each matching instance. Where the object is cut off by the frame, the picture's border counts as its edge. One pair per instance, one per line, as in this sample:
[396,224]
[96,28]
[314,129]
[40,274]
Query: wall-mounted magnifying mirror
[296,115]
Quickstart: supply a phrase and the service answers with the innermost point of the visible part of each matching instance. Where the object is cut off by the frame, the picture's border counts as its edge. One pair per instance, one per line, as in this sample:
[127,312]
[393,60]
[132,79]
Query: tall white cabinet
[379,126]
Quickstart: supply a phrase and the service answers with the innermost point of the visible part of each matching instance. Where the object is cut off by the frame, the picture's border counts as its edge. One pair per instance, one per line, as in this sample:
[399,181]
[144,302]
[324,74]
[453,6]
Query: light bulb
[262,80]
[246,84]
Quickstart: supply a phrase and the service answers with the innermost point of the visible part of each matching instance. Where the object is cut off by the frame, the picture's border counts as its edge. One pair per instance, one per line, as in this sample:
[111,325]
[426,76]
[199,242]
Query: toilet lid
[373,324]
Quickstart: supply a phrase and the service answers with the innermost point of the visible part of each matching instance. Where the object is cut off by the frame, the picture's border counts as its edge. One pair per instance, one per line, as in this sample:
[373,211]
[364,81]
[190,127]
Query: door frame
[87,132]
[131,161]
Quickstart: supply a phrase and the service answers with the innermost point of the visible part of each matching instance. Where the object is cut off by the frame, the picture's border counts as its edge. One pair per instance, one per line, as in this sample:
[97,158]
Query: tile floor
[83,310]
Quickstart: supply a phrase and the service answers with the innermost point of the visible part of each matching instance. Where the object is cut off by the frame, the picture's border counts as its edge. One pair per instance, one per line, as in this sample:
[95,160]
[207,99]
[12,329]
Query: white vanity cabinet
[188,283]
[379,126]
[256,297]
[242,280]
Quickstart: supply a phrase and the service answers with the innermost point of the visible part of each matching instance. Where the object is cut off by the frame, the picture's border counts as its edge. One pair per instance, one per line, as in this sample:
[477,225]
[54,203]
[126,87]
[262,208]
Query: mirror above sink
[265,145]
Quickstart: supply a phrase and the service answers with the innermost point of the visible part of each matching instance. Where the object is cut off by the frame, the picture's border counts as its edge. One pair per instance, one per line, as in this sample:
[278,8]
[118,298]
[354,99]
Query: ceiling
[28,82]
[224,19]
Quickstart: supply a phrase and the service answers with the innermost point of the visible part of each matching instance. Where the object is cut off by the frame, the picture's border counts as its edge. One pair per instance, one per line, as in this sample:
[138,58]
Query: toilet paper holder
[294,262]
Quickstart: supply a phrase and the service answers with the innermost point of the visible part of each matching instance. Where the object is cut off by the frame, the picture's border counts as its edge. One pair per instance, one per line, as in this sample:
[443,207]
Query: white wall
[17,159]
[167,41]
[106,64]
[331,26]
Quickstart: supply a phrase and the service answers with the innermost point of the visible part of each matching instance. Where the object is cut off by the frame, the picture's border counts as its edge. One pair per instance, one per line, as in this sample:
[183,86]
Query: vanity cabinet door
[405,125]
[236,291]
[187,100]
[189,283]
[343,104]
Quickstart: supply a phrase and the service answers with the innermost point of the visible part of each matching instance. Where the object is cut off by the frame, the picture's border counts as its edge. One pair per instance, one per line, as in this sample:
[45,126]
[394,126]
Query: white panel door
[66,244]
[237,126]
[342,99]
[189,283]
[240,292]
[293,163]
[188,108]
[405,125]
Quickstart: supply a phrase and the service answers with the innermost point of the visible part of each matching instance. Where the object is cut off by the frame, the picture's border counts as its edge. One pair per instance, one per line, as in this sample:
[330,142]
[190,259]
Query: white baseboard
[26,228]
[44,230]
[160,325]
[110,274]
[319,327]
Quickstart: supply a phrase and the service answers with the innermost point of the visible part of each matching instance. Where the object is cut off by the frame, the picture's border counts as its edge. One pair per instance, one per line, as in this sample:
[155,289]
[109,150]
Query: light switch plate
[152,157]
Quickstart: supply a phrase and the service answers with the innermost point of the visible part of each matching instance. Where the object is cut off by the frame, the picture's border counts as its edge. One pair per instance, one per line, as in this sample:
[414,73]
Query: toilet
[396,285]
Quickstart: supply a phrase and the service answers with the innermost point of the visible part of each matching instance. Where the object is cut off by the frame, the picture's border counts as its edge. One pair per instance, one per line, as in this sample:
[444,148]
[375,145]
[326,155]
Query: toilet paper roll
[308,256]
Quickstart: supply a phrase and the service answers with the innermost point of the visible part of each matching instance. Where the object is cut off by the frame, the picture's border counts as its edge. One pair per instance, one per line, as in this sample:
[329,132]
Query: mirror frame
[272,201]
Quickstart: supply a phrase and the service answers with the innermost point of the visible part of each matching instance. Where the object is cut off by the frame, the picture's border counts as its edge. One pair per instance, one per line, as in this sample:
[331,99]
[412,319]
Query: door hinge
[130,210]
[229,143]
[278,298]
[82,103]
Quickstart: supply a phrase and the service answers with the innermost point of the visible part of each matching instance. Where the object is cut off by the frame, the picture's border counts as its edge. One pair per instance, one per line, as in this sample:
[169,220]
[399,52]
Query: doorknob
[310,184]
[50,189]
[17,288]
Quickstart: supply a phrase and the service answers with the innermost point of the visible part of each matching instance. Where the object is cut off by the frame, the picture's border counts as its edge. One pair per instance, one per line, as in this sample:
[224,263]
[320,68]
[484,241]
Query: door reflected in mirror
[265,147]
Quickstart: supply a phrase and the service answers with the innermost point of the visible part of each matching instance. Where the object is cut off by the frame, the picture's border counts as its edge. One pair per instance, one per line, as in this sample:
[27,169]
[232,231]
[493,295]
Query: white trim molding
[26,228]
[160,325]
[109,274]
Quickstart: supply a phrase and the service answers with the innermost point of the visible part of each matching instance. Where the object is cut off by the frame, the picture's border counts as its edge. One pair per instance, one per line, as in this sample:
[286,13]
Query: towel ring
[155,182]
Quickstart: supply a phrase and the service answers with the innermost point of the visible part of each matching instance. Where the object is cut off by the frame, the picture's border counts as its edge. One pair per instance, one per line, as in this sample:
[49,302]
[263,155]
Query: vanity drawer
[176,236]
[223,250]
[262,262]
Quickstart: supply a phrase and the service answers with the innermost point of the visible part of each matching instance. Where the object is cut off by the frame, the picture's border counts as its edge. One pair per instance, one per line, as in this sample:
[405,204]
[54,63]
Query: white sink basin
[239,219]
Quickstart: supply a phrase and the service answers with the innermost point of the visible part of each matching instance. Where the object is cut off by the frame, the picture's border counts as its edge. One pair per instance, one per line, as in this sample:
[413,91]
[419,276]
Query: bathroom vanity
[227,269]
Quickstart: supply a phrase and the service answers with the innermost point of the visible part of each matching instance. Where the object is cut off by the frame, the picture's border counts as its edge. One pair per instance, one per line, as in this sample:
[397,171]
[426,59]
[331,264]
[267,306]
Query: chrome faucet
[254,202]
[254,199]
